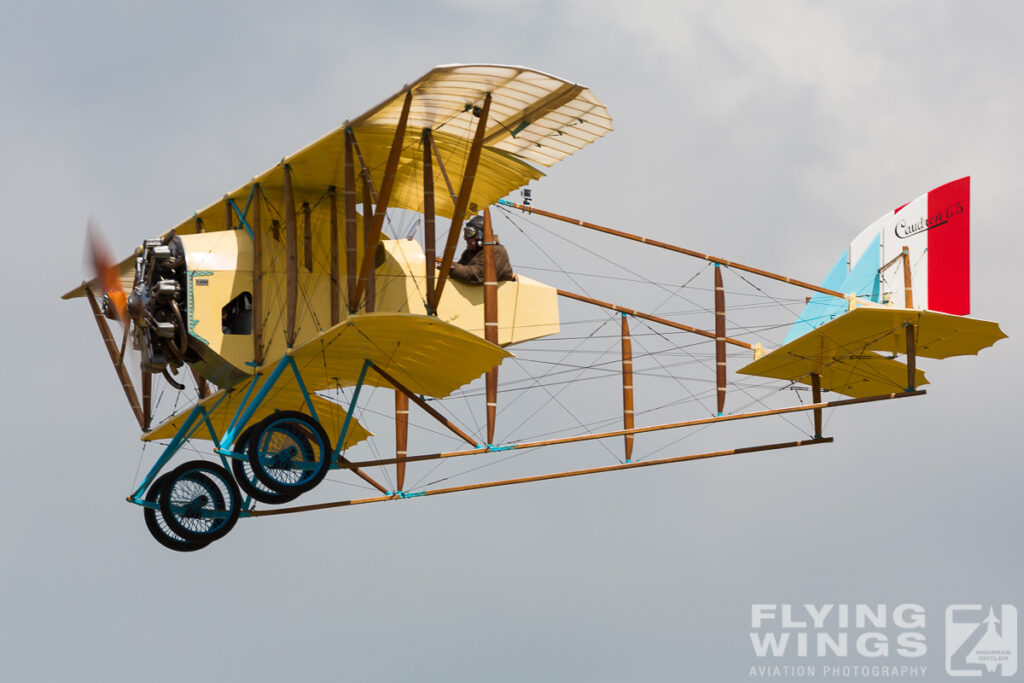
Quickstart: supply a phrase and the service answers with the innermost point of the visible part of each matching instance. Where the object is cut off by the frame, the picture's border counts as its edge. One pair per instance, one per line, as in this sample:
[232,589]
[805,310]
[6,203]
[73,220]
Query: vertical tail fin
[935,229]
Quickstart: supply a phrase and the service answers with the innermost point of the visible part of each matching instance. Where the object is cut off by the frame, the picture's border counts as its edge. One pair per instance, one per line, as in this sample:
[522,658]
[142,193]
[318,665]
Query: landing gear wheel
[247,480]
[290,453]
[200,501]
[158,526]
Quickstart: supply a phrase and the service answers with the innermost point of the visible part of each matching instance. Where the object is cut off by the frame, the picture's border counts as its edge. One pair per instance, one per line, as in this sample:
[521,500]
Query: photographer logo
[981,640]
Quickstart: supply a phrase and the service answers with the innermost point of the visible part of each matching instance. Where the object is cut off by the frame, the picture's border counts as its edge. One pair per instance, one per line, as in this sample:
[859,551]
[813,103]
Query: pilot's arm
[471,273]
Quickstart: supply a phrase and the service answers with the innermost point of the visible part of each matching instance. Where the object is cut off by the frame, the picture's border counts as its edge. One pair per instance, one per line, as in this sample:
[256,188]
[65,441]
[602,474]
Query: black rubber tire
[246,479]
[158,527]
[293,432]
[207,487]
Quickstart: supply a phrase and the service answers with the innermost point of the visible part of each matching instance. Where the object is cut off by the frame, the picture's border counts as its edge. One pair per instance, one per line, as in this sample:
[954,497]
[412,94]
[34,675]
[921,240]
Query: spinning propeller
[151,312]
[108,276]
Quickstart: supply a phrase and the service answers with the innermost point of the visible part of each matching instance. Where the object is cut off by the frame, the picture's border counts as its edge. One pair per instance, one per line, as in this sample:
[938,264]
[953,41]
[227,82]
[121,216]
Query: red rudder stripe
[949,247]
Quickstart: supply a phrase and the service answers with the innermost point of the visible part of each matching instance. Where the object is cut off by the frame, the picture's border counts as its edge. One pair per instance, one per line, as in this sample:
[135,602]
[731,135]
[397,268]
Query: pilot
[470,266]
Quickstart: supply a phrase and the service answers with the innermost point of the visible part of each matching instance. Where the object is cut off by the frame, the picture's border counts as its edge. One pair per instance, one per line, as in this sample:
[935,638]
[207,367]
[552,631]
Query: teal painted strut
[246,411]
[243,213]
[197,418]
[302,388]
[180,437]
[348,413]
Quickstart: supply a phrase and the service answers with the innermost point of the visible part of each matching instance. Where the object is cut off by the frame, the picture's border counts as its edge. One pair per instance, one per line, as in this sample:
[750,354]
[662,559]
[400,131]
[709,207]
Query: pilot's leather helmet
[474,228]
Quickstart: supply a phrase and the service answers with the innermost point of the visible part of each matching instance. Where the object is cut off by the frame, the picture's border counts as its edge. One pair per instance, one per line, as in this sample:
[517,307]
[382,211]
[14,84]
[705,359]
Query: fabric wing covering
[845,351]
[428,356]
[223,405]
[534,119]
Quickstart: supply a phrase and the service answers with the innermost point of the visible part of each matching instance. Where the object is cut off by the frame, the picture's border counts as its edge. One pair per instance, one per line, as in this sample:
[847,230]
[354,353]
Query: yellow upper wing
[535,118]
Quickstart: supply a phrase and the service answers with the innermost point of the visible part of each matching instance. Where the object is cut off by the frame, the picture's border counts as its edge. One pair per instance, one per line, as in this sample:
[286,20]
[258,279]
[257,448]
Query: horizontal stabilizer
[851,353]
[936,335]
[851,374]
[916,256]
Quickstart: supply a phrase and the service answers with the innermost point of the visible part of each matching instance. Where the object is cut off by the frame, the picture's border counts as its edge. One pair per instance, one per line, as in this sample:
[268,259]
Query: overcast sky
[770,133]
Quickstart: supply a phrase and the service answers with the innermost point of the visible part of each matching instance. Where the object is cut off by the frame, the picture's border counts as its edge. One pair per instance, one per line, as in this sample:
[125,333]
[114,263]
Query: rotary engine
[155,307]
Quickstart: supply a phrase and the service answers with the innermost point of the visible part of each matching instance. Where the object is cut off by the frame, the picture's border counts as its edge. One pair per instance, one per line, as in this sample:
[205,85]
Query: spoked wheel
[200,501]
[247,480]
[159,528]
[291,453]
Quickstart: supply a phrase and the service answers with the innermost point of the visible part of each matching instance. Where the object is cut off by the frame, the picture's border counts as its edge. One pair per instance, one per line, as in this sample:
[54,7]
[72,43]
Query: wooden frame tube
[678,249]
[627,387]
[332,199]
[401,437]
[911,355]
[350,248]
[429,231]
[257,276]
[908,289]
[202,386]
[904,259]
[124,340]
[545,477]
[816,398]
[364,172]
[371,277]
[461,203]
[147,398]
[307,236]
[425,406]
[720,362]
[653,318]
[383,198]
[347,464]
[291,259]
[490,321]
[119,367]
[644,430]
[350,223]
[444,171]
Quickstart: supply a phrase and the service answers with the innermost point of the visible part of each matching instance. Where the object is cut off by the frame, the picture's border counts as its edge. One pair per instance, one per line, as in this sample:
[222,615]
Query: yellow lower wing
[427,356]
[223,405]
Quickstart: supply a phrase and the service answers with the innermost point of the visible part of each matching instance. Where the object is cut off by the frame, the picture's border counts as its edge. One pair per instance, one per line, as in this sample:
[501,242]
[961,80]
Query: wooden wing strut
[373,235]
[462,202]
[122,371]
[490,321]
[291,258]
[350,222]
[627,386]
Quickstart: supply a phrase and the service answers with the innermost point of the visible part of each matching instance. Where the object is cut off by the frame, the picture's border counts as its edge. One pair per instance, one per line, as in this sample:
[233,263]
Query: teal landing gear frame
[199,417]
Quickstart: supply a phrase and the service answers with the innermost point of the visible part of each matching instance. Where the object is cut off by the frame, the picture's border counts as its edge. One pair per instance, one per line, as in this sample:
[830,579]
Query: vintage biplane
[270,315]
